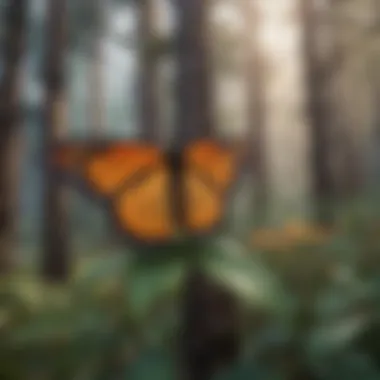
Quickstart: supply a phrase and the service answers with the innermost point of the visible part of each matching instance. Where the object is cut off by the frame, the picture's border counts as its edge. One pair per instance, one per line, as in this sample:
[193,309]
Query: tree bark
[10,119]
[96,113]
[194,82]
[317,70]
[209,338]
[56,261]
[255,107]
[351,95]
[96,101]
[148,71]
[209,331]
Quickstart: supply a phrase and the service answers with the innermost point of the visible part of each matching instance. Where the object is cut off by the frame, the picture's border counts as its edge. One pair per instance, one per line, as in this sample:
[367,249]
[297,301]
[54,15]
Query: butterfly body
[176,192]
[155,196]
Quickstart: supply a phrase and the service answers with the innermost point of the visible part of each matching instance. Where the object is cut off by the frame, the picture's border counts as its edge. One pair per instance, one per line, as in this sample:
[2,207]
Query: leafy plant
[309,306]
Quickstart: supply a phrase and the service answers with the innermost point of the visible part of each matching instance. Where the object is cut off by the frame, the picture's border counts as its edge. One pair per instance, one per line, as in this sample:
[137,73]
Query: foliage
[80,330]
[110,313]
[316,290]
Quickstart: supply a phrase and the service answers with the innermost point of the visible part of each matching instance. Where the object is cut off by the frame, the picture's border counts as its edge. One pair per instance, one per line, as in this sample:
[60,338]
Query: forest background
[298,79]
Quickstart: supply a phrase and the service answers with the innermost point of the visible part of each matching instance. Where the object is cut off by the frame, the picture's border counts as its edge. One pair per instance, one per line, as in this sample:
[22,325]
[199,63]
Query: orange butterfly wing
[210,169]
[105,167]
[140,204]
[145,209]
[136,179]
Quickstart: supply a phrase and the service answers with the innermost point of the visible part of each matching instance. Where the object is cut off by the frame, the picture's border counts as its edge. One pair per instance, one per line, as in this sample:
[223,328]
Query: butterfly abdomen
[177,192]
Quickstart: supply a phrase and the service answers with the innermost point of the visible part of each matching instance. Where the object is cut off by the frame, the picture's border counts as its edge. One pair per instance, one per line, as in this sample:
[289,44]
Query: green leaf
[95,270]
[149,283]
[349,366]
[153,364]
[243,272]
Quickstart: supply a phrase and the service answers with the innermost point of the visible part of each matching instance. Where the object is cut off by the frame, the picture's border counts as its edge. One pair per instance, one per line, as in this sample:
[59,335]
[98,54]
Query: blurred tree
[353,77]
[83,22]
[209,331]
[317,76]
[287,133]
[194,87]
[96,100]
[55,258]
[10,116]
[236,82]
[255,107]
[210,327]
[148,104]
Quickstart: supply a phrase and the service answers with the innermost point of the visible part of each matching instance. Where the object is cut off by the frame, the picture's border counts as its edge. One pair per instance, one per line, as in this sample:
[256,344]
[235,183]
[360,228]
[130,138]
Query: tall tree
[351,92]
[287,132]
[148,71]
[254,73]
[96,100]
[55,237]
[317,79]
[209,337]
[10,113]
[194,82]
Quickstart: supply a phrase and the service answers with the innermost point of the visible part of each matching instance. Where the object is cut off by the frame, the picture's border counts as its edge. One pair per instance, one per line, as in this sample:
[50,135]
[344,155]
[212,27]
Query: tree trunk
[317,76]
[55,236]
[209,337]
[352,95]
[287,132]
[194,82]
[209,333]
[96,101]
[255,108]
[254,73]
[96,114]
[10,115]
[148,71]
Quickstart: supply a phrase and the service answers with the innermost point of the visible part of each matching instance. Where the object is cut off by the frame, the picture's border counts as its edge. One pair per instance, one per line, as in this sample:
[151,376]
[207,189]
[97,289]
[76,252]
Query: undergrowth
[310,296]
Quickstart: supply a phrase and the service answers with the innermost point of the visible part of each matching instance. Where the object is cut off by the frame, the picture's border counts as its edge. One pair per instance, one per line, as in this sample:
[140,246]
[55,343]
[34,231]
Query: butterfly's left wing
[132,177]
[144,208]
[104,167]
[210,170]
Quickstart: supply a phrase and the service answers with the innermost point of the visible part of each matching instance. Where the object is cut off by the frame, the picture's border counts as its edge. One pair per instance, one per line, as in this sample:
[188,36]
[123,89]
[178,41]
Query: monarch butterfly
[155,196]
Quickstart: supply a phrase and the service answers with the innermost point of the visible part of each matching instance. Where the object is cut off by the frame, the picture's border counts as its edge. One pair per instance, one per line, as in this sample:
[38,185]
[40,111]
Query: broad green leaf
[153,364]
[148,284]
[242,271]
